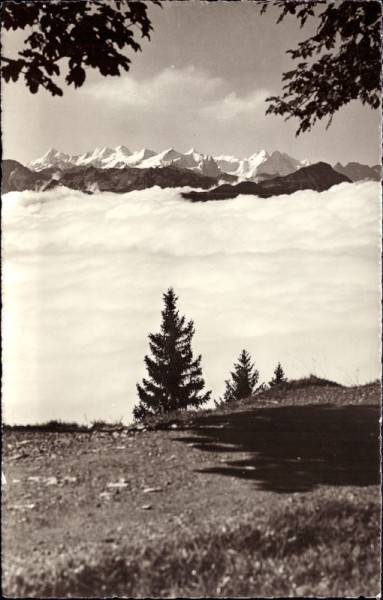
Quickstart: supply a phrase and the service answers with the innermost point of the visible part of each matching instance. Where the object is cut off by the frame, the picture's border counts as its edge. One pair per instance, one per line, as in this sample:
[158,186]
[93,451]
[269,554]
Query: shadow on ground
[294,448]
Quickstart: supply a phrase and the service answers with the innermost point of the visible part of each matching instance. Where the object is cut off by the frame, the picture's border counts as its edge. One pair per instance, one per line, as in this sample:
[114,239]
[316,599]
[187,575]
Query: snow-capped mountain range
[258,166]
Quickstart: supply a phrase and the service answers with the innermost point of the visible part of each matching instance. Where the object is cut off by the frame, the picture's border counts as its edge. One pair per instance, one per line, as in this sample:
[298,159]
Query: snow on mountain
[259,165]
[243,168]
[163,159]
[52,158]
[249,167]
[191,160]
[280,164]
[199,163]
[136,158]
[95,158]
[100,157]
[228,164]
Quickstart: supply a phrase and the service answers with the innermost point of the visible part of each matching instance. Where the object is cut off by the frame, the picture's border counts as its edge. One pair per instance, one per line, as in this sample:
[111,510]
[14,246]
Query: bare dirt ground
[71,495]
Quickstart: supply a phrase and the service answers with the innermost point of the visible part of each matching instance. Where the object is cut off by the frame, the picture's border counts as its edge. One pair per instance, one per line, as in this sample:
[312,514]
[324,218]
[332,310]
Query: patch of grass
[309,381]
[57,426]
[54,426]
[326,548]
[101,425]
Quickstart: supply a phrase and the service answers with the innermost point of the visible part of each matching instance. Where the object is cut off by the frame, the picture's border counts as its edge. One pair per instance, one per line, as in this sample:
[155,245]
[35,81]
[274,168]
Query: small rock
[23,506]
[105,495]
[118,484]
[51,481]
[120,447]
[146,507]
[151,490]
[16,480]
[174,426]
[19,456]
[172,457]
[70,479]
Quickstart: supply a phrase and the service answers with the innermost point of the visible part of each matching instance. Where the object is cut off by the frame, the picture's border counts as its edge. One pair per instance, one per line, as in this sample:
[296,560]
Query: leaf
[77,76]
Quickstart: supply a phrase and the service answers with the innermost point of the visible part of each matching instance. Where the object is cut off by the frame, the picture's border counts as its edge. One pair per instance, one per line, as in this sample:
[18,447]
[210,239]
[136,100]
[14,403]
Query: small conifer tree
[243,381]
[175,377]
[279,376]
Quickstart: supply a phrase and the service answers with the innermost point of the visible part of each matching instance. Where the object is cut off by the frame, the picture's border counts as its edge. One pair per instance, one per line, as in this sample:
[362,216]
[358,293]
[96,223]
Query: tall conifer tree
[175,377]
[279,376]
[244,378]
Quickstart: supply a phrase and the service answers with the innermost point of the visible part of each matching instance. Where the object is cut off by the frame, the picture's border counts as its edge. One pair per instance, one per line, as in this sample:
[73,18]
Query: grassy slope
[282,500]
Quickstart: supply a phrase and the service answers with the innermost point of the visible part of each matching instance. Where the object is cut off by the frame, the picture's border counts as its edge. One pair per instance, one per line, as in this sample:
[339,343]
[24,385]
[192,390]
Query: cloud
[233,106]
[189,90]
[169,86]
[292,279]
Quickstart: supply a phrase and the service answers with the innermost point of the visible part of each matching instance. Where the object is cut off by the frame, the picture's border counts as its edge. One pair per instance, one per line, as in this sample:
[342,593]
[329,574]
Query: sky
[200,82]
[83,278]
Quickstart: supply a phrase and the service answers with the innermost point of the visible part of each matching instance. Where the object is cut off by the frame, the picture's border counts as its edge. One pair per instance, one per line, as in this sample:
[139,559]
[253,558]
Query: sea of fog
[294,279]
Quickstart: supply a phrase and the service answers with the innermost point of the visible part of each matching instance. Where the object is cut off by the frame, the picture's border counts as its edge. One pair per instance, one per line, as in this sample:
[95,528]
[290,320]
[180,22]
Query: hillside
[16,177]
[357,172]
[287,484]
[318,177]
[222,167]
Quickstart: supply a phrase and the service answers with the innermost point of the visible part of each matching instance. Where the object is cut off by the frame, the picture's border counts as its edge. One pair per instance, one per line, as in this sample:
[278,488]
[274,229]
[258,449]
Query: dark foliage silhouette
[279,376]
[339,63]
[175,377]
[243,380]
[82,33]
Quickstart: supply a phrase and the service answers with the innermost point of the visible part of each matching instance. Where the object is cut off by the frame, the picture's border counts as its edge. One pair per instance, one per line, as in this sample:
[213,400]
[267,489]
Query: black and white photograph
[191,298]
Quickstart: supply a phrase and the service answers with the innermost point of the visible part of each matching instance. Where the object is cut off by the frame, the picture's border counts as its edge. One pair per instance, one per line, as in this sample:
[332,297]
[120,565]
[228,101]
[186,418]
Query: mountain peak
[104,151]
[52,152]
[169,154]
[257,167]
[123,150]
[145,153]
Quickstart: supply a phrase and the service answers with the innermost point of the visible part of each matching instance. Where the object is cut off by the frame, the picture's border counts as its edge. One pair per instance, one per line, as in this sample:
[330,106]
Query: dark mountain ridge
[358,172]
[319,177]
[89,179]
[16,177]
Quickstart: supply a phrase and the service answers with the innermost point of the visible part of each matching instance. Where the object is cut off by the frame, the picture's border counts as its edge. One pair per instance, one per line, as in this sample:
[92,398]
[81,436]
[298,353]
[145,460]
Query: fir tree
[244,378]
[279,376]
[175,377]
